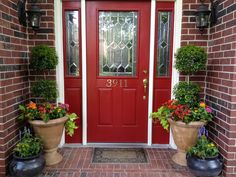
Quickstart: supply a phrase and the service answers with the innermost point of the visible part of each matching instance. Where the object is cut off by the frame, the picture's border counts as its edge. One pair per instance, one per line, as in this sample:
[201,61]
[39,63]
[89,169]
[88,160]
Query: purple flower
[202,131]
[63,106]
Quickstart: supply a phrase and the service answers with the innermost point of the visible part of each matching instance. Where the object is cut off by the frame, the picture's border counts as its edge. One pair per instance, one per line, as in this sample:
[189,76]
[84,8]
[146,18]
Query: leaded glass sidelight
[117,43]
[163,57]
[72,43]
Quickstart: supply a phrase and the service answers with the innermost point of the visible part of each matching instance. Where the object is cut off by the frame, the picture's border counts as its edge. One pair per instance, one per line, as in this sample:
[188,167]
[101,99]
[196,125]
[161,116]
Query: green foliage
[201,113]
[47,89]
[187,93]
[70,124]
[28,146]
[204,148]
[190,59]
[162,114]
[43,57]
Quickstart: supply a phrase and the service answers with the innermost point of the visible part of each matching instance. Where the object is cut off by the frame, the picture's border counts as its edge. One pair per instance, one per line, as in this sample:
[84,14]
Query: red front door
[117,70]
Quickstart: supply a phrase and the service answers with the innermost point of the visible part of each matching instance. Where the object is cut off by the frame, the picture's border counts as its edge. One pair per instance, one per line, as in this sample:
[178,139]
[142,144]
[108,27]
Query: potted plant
[185,123]
[27,157]
[48,121]
[185,114]
[204,159]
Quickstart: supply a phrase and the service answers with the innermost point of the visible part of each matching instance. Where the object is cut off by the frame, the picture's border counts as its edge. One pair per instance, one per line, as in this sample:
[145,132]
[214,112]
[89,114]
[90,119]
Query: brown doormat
[119,155]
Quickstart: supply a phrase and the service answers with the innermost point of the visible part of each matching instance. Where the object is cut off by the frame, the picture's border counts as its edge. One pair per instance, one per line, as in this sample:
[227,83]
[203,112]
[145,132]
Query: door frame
[60,67]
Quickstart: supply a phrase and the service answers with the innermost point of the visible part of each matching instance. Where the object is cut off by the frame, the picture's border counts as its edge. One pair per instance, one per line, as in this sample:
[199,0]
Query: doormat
[119,155]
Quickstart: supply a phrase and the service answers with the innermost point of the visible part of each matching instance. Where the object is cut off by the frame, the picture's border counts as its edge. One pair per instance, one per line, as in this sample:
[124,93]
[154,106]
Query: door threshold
[119,145]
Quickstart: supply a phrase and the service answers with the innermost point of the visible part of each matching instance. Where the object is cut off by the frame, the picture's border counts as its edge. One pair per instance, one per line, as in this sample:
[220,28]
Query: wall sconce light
[31,16]
[204,16]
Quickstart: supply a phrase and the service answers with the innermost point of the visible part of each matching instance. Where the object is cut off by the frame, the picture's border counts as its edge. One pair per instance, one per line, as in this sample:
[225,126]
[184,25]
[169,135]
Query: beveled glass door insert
[163,57]
[117,43]
[72,43]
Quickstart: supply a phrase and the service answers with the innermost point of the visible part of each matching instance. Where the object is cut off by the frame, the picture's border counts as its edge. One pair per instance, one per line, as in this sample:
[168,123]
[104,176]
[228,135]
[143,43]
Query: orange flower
[32,105]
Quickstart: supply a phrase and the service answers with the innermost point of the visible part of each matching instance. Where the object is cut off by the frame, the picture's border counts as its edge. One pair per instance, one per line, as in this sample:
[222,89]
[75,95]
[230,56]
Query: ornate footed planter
[208,167]
[50,133]
[185,136]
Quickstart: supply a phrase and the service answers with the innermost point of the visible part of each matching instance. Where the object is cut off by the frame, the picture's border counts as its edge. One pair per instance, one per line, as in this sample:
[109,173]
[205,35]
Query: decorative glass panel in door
[117,43]
[163,57]
[72,43]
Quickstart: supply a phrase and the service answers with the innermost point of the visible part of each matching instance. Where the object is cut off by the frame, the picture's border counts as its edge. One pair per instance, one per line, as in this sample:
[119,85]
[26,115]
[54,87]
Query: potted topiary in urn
[185,114]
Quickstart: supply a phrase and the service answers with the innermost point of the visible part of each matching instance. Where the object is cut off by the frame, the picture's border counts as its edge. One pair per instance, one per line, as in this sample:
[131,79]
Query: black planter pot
[209,167]
[26,167]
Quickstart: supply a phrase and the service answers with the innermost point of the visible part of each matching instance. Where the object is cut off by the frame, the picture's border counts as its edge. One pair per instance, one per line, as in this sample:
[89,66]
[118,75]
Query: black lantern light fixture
[204,16]
[31,16]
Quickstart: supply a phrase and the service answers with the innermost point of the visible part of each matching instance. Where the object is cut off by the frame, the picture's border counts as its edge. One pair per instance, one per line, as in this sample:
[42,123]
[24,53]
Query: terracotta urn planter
[50,133]
[185,136]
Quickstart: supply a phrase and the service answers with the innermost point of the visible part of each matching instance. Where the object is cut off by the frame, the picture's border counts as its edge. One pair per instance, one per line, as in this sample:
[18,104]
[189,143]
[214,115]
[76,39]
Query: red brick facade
[218,81]
[221,82]
[15,44]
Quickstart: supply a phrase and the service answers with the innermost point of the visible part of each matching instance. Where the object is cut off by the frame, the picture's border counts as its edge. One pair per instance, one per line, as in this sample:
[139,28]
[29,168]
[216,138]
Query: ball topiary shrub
[46,89]
[187,93]
[190,59]
[43,57]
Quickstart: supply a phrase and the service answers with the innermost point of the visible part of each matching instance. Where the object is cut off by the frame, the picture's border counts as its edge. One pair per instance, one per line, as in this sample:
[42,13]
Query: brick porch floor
[77,162]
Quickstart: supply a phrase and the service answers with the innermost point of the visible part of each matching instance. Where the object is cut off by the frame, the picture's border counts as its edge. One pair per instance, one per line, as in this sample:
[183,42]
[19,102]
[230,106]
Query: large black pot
[26,167]
[209,167]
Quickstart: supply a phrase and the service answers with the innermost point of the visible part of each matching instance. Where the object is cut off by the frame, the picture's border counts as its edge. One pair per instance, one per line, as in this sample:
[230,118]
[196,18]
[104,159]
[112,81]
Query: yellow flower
[203,105]
[59,110]
[196,111]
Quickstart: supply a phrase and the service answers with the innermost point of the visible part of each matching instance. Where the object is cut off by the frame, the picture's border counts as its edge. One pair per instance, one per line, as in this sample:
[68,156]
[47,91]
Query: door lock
[145,82]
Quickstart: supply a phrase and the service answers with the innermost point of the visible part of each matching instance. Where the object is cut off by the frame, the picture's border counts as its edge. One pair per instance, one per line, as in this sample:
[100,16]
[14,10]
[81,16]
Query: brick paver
[77,162]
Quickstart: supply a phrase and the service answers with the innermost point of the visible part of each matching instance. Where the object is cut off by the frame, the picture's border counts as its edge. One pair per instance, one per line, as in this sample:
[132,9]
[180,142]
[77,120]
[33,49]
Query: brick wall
[221,83]
[219,80]
[15,44]
[14,85]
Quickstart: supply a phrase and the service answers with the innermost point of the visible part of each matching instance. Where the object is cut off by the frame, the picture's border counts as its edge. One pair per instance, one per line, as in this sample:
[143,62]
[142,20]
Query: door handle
[145,82]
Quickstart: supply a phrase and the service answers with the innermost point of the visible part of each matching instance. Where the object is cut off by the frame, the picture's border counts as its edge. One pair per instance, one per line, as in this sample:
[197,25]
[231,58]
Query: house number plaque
[116,83]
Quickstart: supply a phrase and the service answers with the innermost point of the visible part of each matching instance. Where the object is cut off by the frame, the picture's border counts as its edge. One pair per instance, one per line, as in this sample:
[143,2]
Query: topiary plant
[190,59]
[47,89]
[43,57]
[187,93]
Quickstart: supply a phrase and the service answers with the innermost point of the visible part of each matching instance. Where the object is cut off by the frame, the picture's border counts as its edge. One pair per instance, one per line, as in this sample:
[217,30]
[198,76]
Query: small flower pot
[208,167]
[25,167]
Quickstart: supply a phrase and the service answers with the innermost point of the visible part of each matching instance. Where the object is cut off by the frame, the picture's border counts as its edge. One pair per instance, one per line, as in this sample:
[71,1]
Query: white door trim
[59,49]
[84,72]
[151,69]
[176,45]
